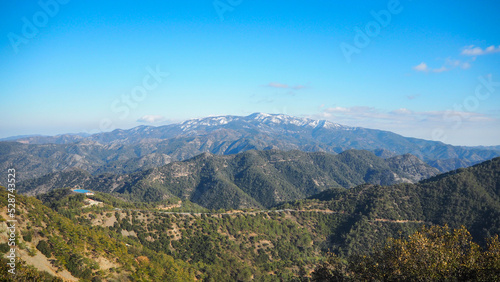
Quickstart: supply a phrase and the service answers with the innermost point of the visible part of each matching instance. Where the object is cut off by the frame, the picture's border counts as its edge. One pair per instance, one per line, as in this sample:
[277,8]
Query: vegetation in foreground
[431,254]
[288,243]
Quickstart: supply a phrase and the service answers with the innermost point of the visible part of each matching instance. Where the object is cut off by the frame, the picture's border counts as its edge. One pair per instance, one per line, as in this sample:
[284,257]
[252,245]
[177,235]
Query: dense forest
[445,227]
[252,179]
[143,147]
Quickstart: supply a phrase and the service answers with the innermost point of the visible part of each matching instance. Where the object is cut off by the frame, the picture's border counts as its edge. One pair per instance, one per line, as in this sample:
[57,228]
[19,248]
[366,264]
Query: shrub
[44,248]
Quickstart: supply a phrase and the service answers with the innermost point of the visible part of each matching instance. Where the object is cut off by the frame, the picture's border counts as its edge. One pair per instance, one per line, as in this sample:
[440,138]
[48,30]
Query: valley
[143,147]
[257,198]
[252,179]
[285,242]
[241,141]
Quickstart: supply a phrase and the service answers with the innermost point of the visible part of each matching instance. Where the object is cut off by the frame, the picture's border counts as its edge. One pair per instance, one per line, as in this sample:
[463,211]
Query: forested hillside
[70,250]
[286,242]
[469,197]
[143,147]
[252,179]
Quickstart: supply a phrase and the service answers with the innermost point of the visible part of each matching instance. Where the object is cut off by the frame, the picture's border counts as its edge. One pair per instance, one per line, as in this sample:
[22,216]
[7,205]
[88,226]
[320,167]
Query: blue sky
[424,69]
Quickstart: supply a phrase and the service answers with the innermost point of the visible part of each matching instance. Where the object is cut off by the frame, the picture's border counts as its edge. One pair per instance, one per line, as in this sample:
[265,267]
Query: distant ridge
[142,147]
[249,179]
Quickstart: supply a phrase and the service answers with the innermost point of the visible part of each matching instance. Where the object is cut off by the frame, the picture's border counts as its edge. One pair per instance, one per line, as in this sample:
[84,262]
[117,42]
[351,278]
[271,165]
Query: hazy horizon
[156,125]
[419,69]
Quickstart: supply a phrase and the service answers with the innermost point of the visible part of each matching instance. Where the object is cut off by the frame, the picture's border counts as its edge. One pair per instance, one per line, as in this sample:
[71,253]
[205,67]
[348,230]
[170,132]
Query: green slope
[249,179]
[79,248]
[271,245]
[469,197]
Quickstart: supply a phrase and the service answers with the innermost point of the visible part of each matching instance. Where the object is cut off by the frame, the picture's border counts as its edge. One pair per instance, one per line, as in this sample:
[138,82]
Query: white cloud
[441,69]
[277,85]
[355,116]
[402,111]
[338,109]
[421,67]
[465,65]
[448,65]
[453,63]
[151,118]
[420,124]
[478,51]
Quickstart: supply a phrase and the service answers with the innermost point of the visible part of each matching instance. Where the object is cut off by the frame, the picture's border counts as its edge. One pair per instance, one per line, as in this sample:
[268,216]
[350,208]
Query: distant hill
[467,196]
[123,240]
[126,151]
[31,161]
[249,179]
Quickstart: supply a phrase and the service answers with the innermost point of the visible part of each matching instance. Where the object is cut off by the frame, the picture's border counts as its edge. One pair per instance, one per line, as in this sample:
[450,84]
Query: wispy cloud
[413,97]
[441,69]
[151,119]
[448,65]
[472,50]
[284,86]
[453,63]
[419,124]
[370,116]
[277,85]
[421,67]
[465,65]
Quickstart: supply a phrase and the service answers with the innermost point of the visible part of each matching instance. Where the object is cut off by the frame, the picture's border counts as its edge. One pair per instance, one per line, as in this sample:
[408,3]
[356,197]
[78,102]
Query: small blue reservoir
[82,191]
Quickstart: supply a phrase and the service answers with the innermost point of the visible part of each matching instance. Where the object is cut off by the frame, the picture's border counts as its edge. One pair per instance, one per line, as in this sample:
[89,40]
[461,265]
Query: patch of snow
[259,119]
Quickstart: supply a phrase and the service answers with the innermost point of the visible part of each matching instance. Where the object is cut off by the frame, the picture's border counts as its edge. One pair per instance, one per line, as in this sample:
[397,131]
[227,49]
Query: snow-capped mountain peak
[208,121]
[281,119]
[259,119]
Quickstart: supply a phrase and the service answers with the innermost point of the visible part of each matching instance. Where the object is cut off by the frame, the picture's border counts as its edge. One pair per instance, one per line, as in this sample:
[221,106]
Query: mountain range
[252,179]
[121,241]
[467,196]
[126,151]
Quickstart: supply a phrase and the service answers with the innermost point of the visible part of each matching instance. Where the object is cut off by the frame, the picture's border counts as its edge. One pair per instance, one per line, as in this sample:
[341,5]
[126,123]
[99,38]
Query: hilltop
[252,179]
[290,240]
[143,147]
